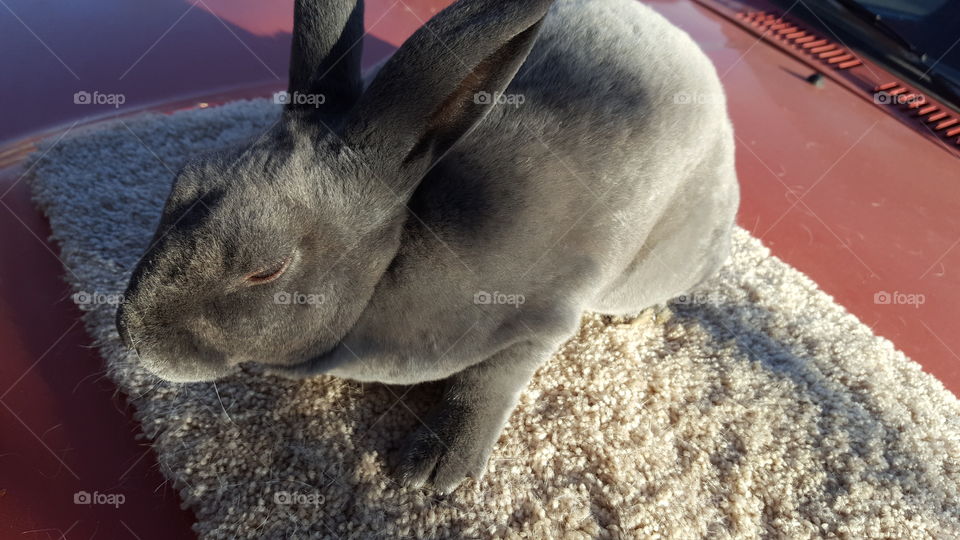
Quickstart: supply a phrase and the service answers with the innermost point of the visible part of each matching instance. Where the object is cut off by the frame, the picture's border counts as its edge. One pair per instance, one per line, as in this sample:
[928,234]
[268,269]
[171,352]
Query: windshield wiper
[876,22]
[895,51]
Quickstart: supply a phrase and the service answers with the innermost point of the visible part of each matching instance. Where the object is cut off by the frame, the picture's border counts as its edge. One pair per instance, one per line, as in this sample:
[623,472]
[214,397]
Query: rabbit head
[269,253]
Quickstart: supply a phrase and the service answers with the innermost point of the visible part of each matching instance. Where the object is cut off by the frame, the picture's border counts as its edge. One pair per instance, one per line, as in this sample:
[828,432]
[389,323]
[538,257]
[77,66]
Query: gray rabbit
[514,164]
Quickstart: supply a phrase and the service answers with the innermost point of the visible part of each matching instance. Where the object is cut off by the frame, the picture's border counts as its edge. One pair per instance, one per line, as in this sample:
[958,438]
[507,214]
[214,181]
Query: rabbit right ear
[325,56]
[439,84]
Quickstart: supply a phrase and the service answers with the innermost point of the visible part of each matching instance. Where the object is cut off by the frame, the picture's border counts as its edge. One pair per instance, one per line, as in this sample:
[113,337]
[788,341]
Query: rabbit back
[618,161]
[603,190]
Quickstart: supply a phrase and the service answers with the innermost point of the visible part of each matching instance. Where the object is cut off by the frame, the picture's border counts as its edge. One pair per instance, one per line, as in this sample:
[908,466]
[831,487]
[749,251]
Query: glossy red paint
[858,196]
[855,197]
[64,429]
[152,51]
[864,78]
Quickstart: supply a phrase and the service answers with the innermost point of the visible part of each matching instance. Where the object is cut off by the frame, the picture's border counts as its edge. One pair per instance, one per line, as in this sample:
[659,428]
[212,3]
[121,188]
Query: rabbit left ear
[325,56]
[441,82]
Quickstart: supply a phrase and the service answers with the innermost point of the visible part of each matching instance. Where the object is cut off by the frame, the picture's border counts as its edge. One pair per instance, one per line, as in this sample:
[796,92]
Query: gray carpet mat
[756,407]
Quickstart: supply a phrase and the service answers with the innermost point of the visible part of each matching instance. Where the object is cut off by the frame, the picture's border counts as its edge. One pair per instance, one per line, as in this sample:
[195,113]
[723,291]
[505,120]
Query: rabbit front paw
[444,451]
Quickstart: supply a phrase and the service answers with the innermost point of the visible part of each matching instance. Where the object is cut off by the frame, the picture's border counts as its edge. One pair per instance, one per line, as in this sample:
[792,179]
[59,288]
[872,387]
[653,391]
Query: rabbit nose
[123,330]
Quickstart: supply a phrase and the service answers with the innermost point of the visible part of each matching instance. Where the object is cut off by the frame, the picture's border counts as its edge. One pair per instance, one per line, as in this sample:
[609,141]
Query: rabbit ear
[325,55]
[440,83]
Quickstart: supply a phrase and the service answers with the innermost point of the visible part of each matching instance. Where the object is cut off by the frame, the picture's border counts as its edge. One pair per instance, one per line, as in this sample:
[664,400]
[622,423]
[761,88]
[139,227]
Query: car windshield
[932,26]
[922,36]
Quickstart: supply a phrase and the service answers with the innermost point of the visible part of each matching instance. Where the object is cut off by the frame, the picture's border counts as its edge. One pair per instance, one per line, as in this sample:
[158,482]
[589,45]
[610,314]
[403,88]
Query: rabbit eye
[268,274]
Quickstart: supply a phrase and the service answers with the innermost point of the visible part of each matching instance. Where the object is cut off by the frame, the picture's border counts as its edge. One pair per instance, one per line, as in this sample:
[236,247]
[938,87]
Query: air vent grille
[940,121]
[772,26]
[911,105]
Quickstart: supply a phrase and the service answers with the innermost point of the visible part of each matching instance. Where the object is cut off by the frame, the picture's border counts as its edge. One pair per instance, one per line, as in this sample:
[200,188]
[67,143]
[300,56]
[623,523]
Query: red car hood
[862,196]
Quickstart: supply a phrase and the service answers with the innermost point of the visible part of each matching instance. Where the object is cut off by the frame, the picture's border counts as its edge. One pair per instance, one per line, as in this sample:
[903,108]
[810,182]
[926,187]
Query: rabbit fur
[512,165]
